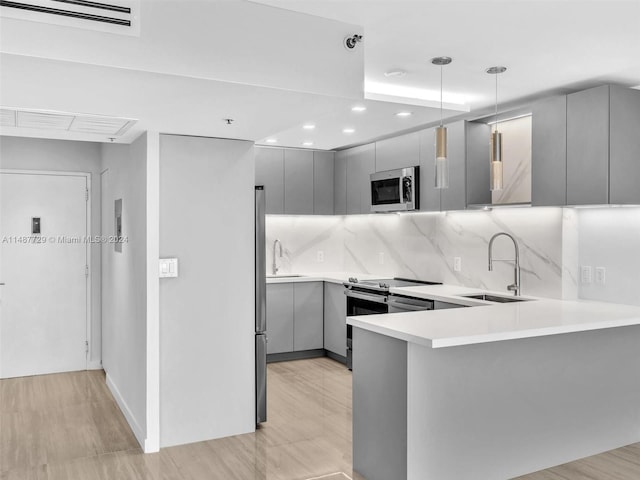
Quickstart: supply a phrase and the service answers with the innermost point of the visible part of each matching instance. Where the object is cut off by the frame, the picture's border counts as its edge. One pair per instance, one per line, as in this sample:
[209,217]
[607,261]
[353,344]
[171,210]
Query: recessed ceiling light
[359,108]
[309,126]
[307,144]
[404,114]
[272,140]
[395,73]
[348,130]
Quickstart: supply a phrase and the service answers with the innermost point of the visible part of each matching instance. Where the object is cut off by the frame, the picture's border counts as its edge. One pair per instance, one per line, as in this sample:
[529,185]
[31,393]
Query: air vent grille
[114,16]
[72,122]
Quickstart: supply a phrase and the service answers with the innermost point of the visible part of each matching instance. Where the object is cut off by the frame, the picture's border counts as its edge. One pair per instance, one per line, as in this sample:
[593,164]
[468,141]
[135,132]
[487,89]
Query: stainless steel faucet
[274,266]
[515,287]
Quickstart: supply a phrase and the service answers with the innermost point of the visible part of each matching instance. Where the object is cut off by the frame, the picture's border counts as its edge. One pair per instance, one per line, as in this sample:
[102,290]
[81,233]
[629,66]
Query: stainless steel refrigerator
[261,309]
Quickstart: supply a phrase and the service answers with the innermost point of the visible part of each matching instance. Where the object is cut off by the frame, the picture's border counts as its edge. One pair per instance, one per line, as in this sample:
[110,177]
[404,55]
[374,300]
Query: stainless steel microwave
[395,190]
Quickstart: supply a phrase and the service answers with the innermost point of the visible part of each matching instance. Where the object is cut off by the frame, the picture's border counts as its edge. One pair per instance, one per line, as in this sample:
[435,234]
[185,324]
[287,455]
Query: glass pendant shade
[442,162]
[496,161]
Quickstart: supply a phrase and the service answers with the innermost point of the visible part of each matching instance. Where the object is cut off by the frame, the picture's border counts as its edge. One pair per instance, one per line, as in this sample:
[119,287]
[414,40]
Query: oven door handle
[364,296]
[419,305]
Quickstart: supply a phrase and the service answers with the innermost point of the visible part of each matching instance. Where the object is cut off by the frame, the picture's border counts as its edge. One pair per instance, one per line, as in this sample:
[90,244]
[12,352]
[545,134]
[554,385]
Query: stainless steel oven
[371,297]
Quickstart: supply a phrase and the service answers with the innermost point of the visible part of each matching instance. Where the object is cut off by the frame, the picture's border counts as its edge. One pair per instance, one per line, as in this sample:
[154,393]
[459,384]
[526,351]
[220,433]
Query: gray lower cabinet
[270,173]
[549,152]
[335,316]
[298,182]
[361,162]
[308,316]
[280,317]
[294,317]
[323,178]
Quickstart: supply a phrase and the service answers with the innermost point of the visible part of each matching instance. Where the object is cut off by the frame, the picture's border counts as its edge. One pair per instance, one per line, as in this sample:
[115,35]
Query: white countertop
[490,322]
[332,277]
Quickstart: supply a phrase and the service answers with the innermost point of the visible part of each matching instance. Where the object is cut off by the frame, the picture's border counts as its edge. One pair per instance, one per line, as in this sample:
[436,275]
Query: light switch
[168,267]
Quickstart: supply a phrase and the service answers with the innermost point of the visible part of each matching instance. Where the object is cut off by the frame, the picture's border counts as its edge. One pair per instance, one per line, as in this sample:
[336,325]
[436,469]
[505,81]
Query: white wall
[609,237]
[125,281]
[64,156]
[207,314]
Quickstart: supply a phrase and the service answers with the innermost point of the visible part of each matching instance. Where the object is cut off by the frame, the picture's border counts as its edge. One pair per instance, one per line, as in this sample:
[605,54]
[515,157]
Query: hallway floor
[68,427]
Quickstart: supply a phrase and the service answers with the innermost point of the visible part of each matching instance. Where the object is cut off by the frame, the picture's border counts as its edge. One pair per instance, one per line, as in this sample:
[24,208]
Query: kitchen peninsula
[493,391]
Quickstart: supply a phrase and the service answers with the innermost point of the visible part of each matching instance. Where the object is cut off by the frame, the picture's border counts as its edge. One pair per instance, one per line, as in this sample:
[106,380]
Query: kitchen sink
[487,297]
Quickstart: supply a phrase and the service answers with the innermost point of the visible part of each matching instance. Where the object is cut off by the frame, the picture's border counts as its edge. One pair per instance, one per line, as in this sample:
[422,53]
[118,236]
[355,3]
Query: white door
[43,302]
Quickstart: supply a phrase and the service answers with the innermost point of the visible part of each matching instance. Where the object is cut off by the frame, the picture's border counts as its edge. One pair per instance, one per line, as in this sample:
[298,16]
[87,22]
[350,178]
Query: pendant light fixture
[496,140]
[442,162]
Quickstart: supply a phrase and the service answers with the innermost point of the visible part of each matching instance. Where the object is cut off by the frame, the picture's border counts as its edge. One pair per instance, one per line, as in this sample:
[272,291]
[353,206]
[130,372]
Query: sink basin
[494,298]
[291,275]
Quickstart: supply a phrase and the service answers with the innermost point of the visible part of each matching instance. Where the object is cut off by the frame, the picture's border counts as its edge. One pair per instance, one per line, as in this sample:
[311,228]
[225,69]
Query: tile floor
[68,427]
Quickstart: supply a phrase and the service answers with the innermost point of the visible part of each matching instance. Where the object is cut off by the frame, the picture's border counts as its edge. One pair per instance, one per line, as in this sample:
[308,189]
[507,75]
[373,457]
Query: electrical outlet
[320,256]
[585,274]
[601,275]
[381,258]
[457,264]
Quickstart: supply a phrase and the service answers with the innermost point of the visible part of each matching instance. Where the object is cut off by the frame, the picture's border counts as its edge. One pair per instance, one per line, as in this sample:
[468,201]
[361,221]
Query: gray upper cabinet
[308,316]
[398,152]
[454,197]
[361,162]
[429,194]
[549,152]
[585,148]
[468,153]
[588,146]
[280,317]
[624,153]
[323,178]
[335,317]
[270,173]
[298,182]
[340,183]
[477,164]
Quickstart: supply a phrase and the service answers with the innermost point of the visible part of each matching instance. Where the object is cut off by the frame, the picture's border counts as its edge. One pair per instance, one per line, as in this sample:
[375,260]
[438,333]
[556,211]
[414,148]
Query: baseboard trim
[94,365]
[126,411]
[336,357]
[286,356]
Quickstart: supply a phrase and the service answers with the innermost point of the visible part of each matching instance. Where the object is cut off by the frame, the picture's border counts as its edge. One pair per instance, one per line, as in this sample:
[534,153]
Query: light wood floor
[68,427]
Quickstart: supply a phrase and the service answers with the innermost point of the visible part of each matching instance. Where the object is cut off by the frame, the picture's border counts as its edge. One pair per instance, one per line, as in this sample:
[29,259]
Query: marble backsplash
[423,245]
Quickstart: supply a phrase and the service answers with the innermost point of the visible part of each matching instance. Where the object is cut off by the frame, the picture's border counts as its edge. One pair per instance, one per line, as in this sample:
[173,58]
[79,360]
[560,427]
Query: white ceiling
[548,47]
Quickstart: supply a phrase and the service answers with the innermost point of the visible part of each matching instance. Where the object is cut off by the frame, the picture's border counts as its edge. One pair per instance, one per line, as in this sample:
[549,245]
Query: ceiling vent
[71,122]
[113,16]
